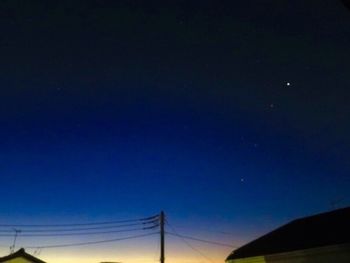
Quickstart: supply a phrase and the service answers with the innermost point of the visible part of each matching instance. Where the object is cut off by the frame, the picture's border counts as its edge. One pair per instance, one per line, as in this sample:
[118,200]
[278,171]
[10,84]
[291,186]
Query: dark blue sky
[227,114]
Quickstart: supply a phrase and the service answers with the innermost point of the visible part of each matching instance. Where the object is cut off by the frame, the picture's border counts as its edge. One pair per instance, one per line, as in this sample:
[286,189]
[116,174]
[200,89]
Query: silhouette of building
[322,238]
[20,256]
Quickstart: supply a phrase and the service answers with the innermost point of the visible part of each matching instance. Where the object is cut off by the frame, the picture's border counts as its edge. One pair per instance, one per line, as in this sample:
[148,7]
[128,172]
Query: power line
[208,230]
[201,240]
[93,242]
[77,234]
[176,233]
[82,224]
[146,223]
[195,249]
[192,247]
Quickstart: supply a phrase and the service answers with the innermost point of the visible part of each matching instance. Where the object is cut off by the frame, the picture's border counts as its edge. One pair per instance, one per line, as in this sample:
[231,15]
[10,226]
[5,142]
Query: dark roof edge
[232,254]
[314,250]
[21,253]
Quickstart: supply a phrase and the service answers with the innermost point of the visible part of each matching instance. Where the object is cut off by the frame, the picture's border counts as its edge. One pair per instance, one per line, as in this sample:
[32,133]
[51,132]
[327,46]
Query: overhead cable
[79,234]
[200,240]
[82,224]
[93,242]
[145,224]
[189,245]
[175,233]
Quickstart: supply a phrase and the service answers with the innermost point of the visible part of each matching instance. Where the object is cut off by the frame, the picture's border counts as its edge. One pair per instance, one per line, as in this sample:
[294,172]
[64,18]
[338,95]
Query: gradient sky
[231,116]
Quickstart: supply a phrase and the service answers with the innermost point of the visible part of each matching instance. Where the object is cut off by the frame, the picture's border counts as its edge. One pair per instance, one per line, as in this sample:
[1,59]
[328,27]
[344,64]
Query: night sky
[231,116]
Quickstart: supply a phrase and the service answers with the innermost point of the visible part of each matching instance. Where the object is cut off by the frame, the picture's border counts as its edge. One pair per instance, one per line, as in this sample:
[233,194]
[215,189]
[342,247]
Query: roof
[23,254]
[331,228]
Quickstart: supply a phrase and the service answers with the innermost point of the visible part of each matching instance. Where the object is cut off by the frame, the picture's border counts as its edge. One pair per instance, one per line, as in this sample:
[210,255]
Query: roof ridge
[21,253]
[287,237]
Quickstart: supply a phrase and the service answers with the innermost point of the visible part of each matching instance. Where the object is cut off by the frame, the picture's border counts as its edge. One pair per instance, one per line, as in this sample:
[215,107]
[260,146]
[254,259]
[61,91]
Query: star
[288,84]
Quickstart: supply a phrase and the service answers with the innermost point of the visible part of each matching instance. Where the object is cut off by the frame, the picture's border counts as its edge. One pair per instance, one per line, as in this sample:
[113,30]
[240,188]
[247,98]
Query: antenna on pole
[12,248]
[162,220]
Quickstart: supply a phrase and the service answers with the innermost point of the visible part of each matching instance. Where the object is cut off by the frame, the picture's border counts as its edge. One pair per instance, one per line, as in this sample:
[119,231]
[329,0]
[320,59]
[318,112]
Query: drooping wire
[92,242]
[79,234]
[200,240]
[189,244]
[176,233]
[210,230]
[82,224]
[146,223]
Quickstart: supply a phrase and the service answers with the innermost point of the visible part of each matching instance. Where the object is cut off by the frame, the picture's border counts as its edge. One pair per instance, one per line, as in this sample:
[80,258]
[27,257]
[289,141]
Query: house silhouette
[319,238]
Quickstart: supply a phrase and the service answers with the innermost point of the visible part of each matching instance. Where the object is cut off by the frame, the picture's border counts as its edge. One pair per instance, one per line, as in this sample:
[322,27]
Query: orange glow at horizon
[132,252]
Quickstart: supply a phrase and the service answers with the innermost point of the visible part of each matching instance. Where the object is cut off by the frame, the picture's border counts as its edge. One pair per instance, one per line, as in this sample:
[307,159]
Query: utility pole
[161,219]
